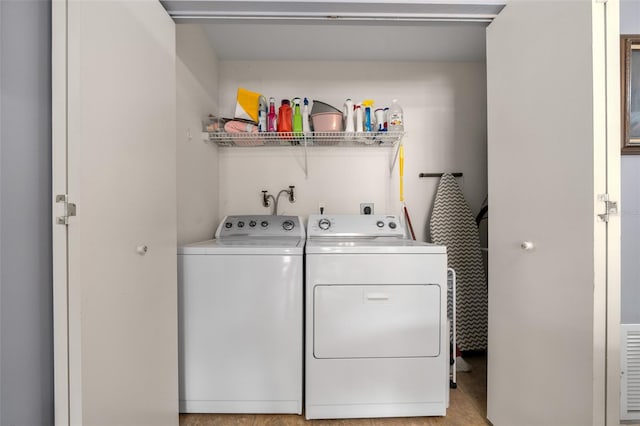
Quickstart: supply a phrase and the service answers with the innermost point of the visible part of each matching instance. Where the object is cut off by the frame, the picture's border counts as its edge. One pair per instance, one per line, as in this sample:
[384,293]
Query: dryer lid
[376,245]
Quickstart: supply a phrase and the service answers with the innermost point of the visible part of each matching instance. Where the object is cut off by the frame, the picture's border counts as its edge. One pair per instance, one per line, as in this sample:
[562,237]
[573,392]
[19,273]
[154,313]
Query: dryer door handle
[377,296]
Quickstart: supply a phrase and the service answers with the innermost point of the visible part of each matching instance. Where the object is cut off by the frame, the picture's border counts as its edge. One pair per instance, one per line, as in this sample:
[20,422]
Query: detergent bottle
[347,115]
[381,124]
[396,117]
[285,119]
[368,106]
[359,120]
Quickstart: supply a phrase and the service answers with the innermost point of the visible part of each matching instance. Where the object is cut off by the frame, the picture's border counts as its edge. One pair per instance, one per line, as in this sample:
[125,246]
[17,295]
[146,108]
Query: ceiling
[442,42]
[378,30]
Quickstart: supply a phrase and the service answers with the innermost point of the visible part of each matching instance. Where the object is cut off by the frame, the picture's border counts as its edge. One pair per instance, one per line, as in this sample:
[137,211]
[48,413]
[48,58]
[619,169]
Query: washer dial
[324,224]
[287,225]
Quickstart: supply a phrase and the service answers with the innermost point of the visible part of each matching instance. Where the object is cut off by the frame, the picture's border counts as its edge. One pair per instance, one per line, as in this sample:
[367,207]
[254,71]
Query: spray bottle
[272,119]
[305,116]
[297,117]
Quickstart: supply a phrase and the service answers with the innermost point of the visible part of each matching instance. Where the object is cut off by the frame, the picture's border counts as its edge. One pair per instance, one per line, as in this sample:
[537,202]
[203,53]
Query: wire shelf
[364,139]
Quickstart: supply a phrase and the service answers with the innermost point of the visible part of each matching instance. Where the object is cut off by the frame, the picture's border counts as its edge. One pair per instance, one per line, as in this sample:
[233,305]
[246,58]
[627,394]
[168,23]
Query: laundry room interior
[442,90]
[441,87]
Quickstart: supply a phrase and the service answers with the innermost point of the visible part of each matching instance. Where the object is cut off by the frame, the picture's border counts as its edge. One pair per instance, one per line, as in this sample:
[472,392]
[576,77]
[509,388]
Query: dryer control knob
[392,225]
[228,225]
[287,225]
[380,224]
[324,224]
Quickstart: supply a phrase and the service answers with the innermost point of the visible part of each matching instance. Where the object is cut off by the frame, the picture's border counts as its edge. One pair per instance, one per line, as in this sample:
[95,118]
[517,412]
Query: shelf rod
[426,175]
[395,158]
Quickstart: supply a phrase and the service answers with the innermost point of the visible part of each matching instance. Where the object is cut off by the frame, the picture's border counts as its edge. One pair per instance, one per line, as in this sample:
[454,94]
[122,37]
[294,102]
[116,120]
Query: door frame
[59,186]
[609,292]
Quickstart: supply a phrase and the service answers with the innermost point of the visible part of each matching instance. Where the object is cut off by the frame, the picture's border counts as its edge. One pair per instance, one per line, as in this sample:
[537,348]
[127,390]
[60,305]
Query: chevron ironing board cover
[452,224]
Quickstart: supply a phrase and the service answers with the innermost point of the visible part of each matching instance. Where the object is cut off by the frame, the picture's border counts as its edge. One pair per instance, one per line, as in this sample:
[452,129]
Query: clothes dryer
[240,318]
[376,331]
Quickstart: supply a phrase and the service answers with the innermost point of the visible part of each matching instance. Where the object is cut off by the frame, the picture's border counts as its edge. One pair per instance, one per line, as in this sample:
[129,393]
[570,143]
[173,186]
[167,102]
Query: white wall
[629,16]
[26,304]
[630,203]
[197,162]
[445,121]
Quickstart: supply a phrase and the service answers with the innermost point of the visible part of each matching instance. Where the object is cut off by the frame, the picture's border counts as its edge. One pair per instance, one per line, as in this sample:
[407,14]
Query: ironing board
[452,224]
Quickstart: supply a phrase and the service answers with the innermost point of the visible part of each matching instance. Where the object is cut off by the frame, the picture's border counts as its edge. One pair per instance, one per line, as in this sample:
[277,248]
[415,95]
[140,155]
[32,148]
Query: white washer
[240,312]
[376,332]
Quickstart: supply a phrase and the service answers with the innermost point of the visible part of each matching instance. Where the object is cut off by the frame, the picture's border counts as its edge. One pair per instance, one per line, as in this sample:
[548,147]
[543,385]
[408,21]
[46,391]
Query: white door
[553,147]
[115,262]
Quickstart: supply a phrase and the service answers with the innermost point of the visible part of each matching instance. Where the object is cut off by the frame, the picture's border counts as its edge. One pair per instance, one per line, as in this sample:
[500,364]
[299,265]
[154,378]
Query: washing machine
[241,316]
[376,340]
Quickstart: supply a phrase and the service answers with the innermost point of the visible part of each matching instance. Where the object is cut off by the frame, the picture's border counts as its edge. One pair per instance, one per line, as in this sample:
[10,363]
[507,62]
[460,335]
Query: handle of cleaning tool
[401,168]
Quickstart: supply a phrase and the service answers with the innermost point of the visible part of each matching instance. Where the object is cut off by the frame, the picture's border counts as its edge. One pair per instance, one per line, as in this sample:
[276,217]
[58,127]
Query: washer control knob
[241,224]
[380,224]
[228,225]
[252,223]
[392,225]
[264,223]
[324,224]
[287,225]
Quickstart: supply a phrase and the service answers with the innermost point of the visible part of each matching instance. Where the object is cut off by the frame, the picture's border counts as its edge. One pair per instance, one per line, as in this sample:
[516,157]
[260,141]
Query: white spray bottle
[347,115]
[305,116]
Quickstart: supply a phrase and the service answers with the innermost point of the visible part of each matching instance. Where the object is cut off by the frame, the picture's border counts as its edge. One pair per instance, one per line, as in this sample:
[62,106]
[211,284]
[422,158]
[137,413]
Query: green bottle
[297,118]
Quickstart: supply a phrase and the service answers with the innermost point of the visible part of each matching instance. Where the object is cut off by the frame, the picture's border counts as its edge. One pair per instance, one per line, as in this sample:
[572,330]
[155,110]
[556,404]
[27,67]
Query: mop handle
[401,168]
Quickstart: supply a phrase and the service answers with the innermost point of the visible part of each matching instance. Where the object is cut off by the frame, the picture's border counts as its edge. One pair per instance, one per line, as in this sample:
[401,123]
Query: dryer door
[376,321]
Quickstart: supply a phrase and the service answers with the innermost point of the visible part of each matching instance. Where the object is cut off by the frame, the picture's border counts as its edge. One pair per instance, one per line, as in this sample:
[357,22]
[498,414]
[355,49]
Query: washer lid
[378,245]
[246,246]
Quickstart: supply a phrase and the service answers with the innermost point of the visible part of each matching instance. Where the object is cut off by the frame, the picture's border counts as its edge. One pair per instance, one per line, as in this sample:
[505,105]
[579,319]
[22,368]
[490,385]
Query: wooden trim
[628,44]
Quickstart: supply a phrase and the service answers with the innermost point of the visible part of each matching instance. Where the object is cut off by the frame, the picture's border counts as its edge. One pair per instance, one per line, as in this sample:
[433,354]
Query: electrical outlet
[366,208]
[322,207]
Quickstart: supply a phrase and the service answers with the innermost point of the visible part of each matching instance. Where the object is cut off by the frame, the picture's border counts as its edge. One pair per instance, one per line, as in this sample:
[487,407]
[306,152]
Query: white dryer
[240,318]
[376,331]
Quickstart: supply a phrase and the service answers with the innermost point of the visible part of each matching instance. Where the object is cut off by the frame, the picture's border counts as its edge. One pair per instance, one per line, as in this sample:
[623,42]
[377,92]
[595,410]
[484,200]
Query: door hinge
[610,207]
[69,209]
